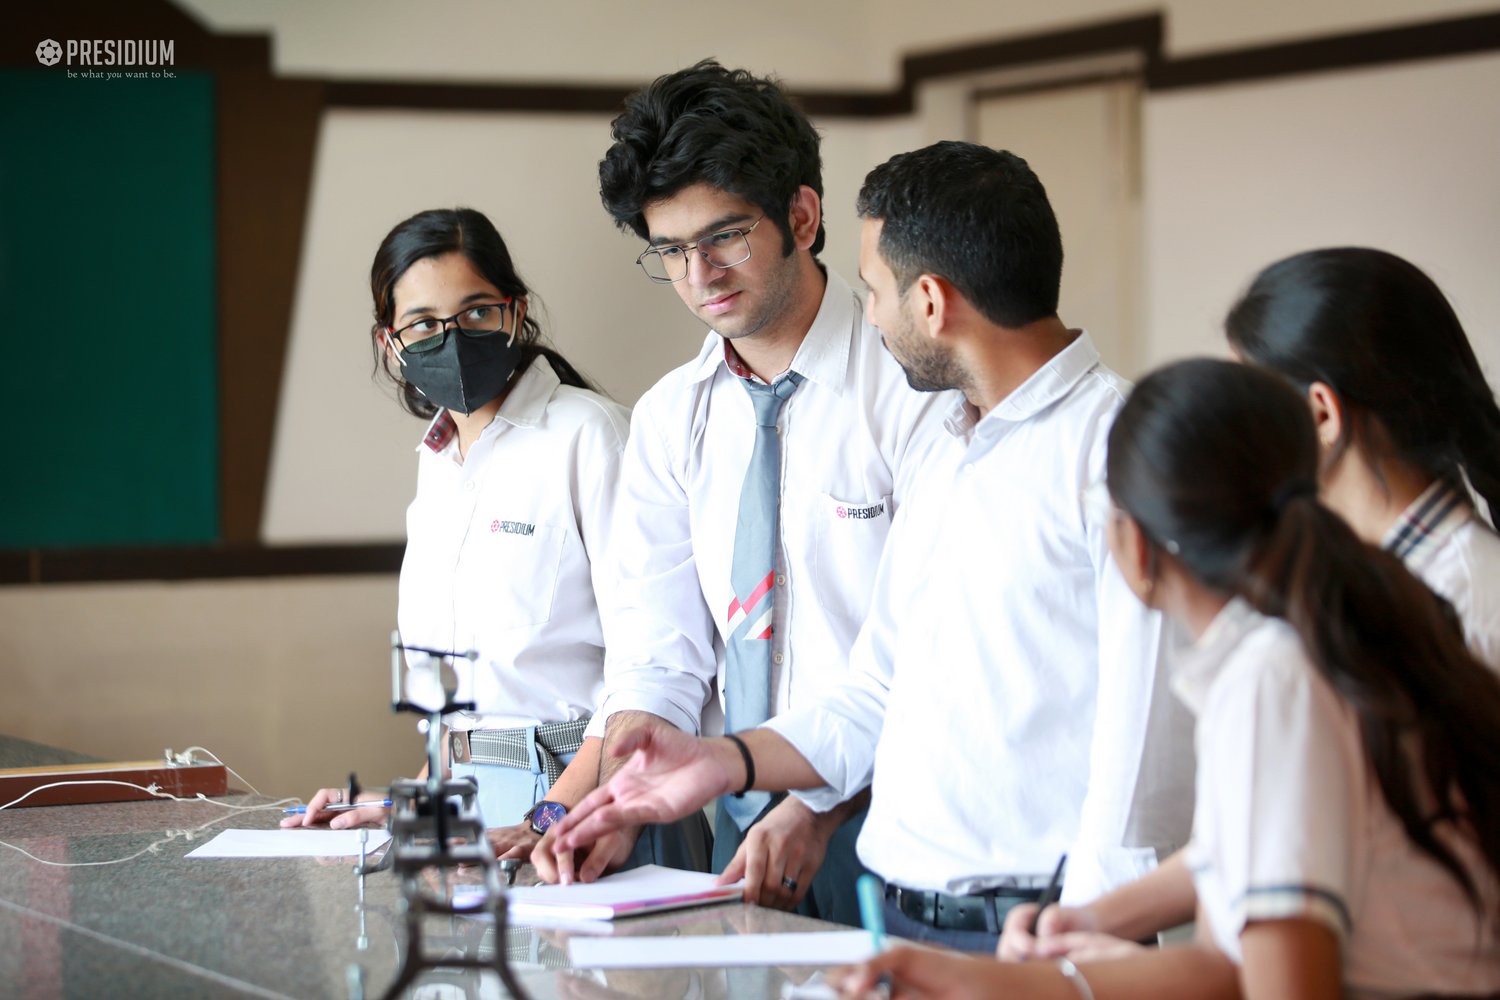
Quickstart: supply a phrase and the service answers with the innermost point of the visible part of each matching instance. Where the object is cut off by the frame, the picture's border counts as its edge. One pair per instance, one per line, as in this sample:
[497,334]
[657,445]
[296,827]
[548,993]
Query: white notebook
[648,889]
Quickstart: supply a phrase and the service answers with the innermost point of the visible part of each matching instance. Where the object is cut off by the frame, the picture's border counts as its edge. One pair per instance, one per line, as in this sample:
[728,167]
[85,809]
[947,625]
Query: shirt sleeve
[1138,802]
[595,487]
[1285,784]
[661,648]
[839,732]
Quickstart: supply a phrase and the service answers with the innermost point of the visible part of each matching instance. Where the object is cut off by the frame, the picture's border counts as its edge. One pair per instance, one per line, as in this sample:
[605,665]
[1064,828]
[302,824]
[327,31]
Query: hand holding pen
[334,807]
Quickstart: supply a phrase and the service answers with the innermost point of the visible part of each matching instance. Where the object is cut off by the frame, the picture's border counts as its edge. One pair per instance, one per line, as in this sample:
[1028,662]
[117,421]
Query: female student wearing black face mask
[1346,837]
[508,533]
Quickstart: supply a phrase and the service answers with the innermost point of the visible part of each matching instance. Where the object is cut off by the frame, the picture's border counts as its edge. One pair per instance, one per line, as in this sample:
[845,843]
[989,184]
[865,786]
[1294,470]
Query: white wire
[152,848]
[226,767]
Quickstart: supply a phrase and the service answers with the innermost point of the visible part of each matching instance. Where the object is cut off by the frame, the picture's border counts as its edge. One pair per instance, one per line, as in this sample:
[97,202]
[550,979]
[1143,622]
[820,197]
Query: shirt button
[777,658]
[469,486]
[781,579]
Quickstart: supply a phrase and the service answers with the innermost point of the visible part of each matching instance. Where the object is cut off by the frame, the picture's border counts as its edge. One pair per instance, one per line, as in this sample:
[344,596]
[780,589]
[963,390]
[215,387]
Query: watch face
[544,814]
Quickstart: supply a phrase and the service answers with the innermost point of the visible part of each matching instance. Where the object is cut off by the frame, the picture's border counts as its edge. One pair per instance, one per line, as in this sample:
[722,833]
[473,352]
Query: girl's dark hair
[1216,463]
[1380,332]
[434,233]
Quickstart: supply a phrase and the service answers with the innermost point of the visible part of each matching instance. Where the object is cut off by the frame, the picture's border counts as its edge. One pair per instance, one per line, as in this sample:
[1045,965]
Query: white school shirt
[1291,823]
[1000,625]
[848,435]
[1442,540]
[504,551]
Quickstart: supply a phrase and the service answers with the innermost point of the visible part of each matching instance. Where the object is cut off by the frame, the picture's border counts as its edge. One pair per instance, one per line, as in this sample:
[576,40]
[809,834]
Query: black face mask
[465,372]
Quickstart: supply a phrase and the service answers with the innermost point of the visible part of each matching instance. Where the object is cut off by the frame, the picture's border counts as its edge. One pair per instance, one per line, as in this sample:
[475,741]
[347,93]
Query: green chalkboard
[107,278]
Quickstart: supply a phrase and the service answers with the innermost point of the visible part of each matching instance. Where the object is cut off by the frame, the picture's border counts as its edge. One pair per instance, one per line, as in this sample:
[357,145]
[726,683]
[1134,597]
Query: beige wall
[288,682]
[285,679]
[825,43]
[1400,158]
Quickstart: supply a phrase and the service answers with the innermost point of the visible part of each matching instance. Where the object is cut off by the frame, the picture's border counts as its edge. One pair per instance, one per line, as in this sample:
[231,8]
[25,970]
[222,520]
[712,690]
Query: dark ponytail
[1379,332]
[434,233]
[1216,462]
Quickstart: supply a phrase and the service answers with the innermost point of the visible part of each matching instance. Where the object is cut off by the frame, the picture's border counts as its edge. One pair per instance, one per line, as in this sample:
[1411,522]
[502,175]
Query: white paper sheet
[816,948]
[288,844]
[647,889]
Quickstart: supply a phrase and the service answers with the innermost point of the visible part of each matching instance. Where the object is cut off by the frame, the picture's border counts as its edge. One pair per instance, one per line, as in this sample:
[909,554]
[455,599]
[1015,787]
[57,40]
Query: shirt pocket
[848,541]
[513,569]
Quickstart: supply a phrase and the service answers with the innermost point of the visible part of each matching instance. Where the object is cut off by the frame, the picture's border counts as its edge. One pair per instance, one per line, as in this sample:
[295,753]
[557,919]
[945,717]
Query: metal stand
[435,828]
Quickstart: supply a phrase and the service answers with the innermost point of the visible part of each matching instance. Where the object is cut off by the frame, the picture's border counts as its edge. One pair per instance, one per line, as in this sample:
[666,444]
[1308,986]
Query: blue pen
[872,909]
[341,807]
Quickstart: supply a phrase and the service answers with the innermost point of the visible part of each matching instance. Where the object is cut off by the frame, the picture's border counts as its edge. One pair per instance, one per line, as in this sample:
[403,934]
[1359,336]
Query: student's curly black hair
[727,128]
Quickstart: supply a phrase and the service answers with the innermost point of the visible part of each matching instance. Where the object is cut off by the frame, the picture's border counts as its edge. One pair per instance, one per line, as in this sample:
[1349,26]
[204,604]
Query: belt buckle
[458,747]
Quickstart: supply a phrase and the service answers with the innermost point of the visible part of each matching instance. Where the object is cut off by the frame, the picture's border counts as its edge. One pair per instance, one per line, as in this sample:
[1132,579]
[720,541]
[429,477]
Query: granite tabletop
[99,901]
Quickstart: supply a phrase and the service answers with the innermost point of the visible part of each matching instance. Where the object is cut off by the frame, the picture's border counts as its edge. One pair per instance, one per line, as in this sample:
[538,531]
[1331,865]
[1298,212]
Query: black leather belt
[979,912]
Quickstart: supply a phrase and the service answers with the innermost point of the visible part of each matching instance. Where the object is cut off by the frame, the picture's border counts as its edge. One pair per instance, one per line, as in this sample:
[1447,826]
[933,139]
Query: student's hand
[605,855]
[670,775]
[512,841]
[1086,946]
[344,820]
[1018,944]
[924,973]
[787,845]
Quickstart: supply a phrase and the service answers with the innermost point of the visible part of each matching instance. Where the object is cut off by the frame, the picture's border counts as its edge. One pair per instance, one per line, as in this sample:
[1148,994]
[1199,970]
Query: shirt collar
[1434,515]
[523,407]
[1195,668]
[1048,384]
[823,356]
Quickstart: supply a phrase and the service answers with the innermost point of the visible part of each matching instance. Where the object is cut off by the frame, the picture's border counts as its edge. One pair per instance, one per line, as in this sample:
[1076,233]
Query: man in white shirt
[721,176]
[1006,693]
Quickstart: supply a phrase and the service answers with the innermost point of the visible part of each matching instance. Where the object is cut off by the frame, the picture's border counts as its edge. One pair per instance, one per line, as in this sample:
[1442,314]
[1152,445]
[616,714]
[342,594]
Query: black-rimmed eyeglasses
[666,264]
[482,319]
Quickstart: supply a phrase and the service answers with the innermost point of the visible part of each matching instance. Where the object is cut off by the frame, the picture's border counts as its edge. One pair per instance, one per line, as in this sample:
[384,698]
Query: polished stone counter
[134,918]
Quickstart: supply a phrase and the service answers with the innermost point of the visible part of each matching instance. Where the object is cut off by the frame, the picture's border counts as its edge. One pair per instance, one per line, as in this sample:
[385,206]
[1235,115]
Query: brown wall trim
[210,563]
[1431,40]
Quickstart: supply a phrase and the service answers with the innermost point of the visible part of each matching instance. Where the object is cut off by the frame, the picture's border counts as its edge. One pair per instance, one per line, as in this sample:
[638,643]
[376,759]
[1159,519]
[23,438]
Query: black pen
[1049,894]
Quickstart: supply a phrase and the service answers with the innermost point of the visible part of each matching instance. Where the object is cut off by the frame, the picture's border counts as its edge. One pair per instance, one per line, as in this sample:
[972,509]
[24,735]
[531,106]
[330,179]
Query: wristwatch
[544,814]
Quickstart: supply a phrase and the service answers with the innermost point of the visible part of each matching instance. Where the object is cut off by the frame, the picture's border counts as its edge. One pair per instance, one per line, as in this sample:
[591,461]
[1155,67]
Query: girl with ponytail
[1406,422]
[1346,837]
[1406,427]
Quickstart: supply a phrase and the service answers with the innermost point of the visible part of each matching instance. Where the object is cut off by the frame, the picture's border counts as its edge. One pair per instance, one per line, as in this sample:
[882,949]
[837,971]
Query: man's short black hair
[726,128]
[975,216]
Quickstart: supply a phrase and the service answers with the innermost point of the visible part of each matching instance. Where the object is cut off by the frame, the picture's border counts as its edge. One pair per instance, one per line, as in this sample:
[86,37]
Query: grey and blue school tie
[752,574]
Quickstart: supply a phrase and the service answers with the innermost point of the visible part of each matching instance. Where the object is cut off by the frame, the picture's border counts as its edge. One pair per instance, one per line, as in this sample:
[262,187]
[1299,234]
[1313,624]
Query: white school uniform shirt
[1007,692]
[1290,823]
[1444,541]
[504,551]
[848,436]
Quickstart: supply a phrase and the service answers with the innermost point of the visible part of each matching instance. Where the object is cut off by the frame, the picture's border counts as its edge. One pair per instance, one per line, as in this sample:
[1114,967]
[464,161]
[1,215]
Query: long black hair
[433,233]
[1216,464]
[1377,330]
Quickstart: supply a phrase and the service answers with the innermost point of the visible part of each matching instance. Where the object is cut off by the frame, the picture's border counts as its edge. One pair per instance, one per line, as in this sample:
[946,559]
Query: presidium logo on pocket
[860,513]
[49,52]
[512,527]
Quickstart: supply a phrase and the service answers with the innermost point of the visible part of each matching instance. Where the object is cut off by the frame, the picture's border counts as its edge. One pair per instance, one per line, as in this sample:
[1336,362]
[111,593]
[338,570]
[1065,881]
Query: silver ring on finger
[789,884]
[336,798]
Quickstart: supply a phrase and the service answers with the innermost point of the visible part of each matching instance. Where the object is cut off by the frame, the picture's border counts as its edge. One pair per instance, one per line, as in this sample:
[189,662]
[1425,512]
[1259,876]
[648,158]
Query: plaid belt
[979,912]
[515,747]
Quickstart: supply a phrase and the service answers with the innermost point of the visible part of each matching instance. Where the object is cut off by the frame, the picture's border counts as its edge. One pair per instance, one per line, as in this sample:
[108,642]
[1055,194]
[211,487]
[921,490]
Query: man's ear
[805,216]
[932,301]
